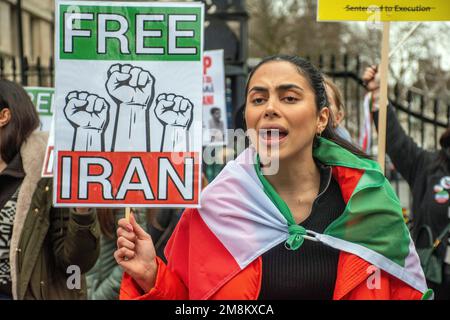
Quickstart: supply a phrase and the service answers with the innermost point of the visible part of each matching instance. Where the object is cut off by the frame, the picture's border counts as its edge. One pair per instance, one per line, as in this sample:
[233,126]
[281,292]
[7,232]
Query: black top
[310,271]
[10,180]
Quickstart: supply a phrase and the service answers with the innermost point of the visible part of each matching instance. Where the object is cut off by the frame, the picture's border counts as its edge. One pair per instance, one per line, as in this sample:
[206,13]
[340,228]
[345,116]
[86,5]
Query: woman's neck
[296,174]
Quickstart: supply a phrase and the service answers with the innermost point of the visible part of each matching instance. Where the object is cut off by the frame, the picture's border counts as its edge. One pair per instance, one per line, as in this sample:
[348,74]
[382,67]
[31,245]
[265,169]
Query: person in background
[103,280]
[38,243]
[428,176]
[337,108]
[216,125]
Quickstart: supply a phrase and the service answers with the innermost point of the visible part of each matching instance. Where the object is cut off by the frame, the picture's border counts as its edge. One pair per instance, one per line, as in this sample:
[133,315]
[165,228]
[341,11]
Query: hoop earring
[318,134]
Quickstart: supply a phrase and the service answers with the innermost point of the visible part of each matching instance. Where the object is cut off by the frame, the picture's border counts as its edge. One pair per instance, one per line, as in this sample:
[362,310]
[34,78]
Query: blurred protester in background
[38,243]
[103,281]
[428,176]
[337,108]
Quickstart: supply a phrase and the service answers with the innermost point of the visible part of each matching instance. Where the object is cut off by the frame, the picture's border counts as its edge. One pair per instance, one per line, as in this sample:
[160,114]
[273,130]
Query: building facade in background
[37,29]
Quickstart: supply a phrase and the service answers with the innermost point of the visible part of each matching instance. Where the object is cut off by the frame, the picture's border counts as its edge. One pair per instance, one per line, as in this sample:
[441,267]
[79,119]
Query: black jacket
[423,171]
[46,240]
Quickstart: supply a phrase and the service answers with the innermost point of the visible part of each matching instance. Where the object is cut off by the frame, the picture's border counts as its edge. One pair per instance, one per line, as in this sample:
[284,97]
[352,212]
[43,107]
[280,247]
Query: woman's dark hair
[24,119]
[444,140]
[316,81]
[444,154]
[214,109]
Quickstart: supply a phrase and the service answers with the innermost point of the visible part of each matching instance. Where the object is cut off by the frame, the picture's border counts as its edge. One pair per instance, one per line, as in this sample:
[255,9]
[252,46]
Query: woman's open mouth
[272,134]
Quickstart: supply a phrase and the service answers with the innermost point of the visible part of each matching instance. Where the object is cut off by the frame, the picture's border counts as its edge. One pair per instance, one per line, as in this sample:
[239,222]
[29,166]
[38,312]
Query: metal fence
[39,74]
[424,118]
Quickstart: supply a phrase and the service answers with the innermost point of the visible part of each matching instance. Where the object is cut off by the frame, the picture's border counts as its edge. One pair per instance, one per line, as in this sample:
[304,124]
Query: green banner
[91,32]
[42,99]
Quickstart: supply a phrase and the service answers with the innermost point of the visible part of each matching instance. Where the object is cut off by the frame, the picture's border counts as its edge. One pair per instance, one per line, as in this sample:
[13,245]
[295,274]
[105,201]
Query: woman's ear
[322,121]
[5,117]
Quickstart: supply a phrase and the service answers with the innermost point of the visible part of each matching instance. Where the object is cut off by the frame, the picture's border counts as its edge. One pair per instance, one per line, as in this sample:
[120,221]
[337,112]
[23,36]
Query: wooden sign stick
[383,96]
[127,213]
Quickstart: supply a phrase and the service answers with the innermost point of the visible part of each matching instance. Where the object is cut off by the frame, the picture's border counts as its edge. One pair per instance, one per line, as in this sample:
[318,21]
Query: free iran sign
[128,104]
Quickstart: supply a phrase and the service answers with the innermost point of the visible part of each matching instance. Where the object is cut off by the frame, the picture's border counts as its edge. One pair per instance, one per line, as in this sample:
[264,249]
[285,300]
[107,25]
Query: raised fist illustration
[86,110]
[130,85]
[174,110]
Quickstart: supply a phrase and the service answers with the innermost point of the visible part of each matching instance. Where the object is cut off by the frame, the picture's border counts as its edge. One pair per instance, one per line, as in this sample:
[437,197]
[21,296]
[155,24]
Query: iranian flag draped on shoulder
[215,251]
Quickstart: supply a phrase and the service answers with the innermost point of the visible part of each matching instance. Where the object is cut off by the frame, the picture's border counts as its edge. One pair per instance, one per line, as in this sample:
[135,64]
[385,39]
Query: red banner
[124,178]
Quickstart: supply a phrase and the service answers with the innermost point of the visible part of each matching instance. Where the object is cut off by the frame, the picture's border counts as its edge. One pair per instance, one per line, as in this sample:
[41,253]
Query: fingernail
[129,227]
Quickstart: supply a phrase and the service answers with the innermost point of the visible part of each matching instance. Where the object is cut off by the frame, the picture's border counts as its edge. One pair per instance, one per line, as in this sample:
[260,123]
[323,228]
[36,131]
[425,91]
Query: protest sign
[214,107]
[383,10]
[128,103]
[47,167]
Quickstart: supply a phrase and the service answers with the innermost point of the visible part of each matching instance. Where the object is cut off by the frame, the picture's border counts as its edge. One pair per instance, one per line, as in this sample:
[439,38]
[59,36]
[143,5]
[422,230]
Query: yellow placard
[383,10]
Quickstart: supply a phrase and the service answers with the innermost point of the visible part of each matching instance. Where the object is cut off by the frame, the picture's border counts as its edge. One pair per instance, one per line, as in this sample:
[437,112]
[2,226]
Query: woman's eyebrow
[258,89]
[281,87]
[289,86]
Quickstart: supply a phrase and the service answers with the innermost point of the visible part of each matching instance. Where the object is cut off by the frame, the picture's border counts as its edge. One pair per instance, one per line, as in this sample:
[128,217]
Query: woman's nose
[271,108]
